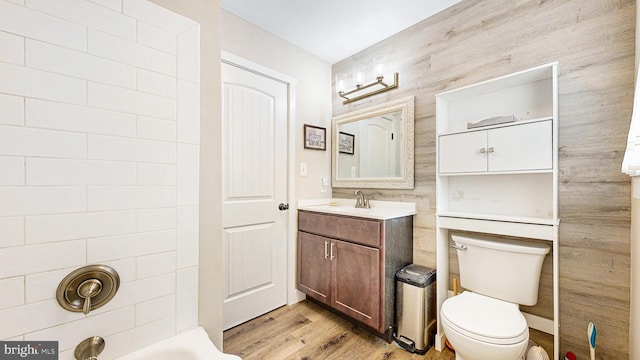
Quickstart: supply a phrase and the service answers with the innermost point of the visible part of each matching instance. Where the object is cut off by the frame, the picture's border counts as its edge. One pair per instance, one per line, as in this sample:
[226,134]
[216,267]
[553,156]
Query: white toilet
[485,321]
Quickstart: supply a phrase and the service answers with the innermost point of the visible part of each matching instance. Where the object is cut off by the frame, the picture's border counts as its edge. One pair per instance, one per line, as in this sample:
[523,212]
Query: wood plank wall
[594,44]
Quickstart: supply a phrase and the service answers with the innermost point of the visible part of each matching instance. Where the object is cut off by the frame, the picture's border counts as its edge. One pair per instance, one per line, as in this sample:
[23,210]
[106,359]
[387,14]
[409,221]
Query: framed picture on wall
[315,137]
[346,143]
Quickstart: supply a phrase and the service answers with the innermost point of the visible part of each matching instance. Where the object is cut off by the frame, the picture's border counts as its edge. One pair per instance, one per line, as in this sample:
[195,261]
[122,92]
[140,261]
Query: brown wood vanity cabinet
[348,263]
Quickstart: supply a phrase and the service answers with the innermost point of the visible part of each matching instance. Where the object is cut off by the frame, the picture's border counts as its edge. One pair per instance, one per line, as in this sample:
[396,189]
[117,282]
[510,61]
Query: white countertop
[380,210]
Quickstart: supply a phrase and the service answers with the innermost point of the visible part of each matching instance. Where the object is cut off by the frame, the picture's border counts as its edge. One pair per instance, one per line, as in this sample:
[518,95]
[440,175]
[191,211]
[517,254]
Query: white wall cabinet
[519,147]
[499,179]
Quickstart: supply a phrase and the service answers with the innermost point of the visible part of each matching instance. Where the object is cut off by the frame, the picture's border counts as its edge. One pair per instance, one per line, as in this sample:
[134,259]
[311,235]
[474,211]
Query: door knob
[283,206]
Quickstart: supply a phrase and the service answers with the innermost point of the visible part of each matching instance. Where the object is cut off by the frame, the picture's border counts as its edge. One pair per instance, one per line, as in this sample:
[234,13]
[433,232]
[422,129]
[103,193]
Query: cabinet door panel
[356,282]
[313,268]
[463,152]
[521,147]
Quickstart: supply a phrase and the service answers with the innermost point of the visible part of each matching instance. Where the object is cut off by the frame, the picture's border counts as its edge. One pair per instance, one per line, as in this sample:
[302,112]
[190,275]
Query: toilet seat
[485,319]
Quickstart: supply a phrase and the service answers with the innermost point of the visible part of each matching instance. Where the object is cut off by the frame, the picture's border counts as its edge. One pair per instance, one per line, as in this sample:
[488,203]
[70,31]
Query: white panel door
[254,180]
[377,148]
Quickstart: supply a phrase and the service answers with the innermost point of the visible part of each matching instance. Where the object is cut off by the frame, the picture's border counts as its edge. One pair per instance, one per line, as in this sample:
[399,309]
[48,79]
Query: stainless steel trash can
[415,308]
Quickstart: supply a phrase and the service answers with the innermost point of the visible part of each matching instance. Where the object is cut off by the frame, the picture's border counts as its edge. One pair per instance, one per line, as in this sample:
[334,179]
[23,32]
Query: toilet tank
[500,268]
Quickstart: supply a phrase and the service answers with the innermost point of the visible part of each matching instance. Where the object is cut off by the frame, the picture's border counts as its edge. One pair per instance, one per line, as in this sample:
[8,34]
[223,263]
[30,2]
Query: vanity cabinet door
[355,285]
[314,266]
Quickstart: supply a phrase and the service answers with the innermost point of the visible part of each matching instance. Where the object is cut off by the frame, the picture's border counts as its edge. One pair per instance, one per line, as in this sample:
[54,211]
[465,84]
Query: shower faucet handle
[87,290]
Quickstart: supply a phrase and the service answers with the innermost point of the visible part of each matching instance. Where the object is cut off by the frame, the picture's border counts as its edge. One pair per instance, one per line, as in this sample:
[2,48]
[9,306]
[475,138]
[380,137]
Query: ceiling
[334,29]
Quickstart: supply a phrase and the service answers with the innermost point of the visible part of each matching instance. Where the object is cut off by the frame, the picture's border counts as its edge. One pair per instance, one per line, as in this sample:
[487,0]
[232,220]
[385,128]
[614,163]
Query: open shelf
[517,122]
[524,95]
[503,218]
[532,228]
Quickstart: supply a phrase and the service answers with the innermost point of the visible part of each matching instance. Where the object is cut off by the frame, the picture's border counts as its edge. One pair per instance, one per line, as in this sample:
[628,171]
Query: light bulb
[379,63]
[358,75]
[341,79]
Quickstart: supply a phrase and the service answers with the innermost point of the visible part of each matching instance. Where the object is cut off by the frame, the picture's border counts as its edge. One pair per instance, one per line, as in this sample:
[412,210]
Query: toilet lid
[485,319]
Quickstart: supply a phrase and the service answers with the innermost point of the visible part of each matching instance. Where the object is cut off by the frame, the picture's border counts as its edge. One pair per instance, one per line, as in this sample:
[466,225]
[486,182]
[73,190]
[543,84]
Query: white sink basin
[381,210]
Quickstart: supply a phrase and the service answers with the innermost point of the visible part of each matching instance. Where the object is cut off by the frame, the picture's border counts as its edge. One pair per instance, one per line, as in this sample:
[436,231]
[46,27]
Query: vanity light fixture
[362,89]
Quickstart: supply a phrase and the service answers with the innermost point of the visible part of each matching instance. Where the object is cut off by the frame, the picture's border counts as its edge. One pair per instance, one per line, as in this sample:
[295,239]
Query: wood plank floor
[306,331]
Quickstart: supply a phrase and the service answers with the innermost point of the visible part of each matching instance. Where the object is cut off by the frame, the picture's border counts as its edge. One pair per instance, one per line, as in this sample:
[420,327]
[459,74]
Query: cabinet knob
[490,150]
[483,150]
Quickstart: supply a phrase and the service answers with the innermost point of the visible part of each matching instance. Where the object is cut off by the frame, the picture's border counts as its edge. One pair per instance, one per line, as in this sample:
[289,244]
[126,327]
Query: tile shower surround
[99,152]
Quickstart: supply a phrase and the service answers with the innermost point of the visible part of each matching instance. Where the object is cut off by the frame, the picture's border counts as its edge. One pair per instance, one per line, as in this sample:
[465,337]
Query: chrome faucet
[361,201]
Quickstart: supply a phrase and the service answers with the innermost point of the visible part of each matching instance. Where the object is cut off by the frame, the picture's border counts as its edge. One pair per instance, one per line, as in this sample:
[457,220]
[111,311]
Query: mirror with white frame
[373,147]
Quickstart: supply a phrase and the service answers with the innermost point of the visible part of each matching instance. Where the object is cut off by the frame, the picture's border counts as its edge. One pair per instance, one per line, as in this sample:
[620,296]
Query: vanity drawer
[356,230]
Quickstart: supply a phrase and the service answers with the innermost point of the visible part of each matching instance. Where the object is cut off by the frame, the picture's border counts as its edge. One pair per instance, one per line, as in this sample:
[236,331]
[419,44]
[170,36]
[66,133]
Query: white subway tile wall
[43,56]
[12,230]
[130,101]
[77,226]
[156,128]
[156,264]
[145,335]
[186,297]
[152,310]
[156,219]
[22,260]
[188,174]
[155,83]
[14,170]
[156,174]
[42,286]
[12,290]
[19,80]
[78,118]
[188,62]
[32,200]
[155,15]
[188,112]
[12,107]
[14,48]
[130,52]
[88,14]
[109,4]
[99,154]
[188,250]
[157,38]
[27,318]
[112,322]
[33,24]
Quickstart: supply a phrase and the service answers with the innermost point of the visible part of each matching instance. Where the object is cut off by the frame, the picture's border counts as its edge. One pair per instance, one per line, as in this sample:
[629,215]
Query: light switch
[303,169]
[324,183]
[353,171]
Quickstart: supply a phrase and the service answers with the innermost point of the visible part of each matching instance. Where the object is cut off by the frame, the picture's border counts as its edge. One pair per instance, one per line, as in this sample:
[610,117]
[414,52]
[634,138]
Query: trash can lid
[416,275]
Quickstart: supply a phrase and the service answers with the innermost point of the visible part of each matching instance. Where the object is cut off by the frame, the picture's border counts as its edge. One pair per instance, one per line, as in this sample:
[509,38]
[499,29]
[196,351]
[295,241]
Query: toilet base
[458,357]
[469,349]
